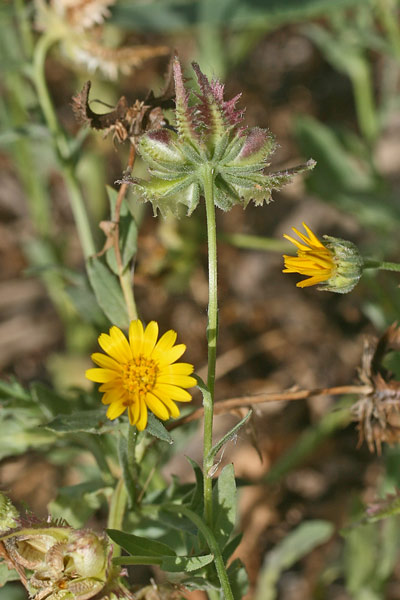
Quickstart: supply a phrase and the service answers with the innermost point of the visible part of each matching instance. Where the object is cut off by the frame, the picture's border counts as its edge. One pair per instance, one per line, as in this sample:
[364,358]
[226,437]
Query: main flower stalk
[212,335]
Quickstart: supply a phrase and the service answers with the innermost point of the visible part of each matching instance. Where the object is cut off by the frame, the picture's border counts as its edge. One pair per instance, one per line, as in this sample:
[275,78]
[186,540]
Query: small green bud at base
[349,265]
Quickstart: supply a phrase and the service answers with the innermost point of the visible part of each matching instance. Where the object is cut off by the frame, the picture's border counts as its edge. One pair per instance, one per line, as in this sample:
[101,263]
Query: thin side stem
[79,212]
[39,59]
[254,242]
[244,401]
[381,265]
[212,333]
[61,144]
[117,511]
[211,542]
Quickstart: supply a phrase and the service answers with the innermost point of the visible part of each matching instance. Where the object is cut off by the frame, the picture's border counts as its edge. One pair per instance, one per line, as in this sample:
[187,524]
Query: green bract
[349,265]
[207,137]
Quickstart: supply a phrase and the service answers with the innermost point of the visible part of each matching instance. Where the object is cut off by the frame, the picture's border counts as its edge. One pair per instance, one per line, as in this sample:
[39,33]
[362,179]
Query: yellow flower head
[141,373]
[336,264]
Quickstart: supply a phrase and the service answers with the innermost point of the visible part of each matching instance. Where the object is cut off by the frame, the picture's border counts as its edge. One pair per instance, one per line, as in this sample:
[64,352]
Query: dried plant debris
[79,27]
[377,412]
[126,121]
[384,507]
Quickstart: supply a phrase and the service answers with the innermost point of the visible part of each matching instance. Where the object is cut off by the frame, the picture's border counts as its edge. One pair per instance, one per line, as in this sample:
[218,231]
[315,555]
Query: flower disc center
[140,375]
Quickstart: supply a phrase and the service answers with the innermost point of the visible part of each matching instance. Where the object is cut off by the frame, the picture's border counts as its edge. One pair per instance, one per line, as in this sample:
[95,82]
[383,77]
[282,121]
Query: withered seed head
[378,412]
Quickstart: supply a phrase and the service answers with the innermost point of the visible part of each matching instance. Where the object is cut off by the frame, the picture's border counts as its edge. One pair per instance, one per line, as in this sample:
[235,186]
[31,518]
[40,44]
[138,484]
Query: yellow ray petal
[165,390]
[157,407]
[142,421]
[172,407]
[169,356]
[116,345]
[102,360]
[115,410]
[101,375]
[136,337]
[177,369]
[150,338]
[165,342]
[180,380]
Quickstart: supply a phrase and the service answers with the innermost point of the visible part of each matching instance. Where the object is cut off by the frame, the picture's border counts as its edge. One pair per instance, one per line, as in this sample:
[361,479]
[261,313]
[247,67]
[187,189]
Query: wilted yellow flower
[336,263]
[141,373]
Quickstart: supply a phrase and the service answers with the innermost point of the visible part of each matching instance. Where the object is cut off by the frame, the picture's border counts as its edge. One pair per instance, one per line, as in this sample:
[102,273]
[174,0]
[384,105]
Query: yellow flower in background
[313,259]
[141,374]
[336,264]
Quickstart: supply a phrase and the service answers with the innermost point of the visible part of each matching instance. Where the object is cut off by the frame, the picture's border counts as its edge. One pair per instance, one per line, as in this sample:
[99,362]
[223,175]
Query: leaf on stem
[230,435]
[108,292]
[224,506]
[140,546]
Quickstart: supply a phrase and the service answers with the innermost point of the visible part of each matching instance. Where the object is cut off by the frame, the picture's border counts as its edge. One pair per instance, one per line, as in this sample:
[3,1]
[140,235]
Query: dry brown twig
[233,403]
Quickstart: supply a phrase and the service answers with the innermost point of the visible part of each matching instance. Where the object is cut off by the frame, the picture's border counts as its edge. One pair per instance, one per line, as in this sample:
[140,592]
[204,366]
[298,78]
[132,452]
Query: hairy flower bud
[57,562]
[336,265]
[207,135]
[349,265]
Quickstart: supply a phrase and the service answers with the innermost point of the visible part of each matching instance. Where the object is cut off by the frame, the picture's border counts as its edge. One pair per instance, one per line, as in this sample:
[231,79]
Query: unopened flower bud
[336,265]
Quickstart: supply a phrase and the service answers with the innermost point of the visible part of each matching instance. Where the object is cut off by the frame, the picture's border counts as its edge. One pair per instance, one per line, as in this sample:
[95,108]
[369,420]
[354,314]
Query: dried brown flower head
[55,561]
[378,412]
[78,26]
[126,121]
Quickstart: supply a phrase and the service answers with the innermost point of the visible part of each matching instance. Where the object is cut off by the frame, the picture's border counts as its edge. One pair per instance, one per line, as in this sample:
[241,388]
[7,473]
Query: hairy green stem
[212,327]
[254,242]
[381,265]
[61,143]
[211,542]
[117,510]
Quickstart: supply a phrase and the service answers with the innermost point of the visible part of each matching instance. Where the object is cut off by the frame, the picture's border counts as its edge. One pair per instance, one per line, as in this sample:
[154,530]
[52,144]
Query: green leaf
[85,303]
[185,564]
[179,15]
[238,579]
[89,421]
[127,234]
[77,503]
[49,401]
[197,500]
[224,505]
[231,547]
[156,428]
[293,547]
[139,546]
[178,522]
[13,389]
[108,292]
[16,437]
[7,574]
[360,557]
[231,434]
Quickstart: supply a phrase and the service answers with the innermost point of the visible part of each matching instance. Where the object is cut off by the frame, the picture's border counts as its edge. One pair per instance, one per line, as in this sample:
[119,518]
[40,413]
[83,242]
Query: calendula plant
[205,155]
